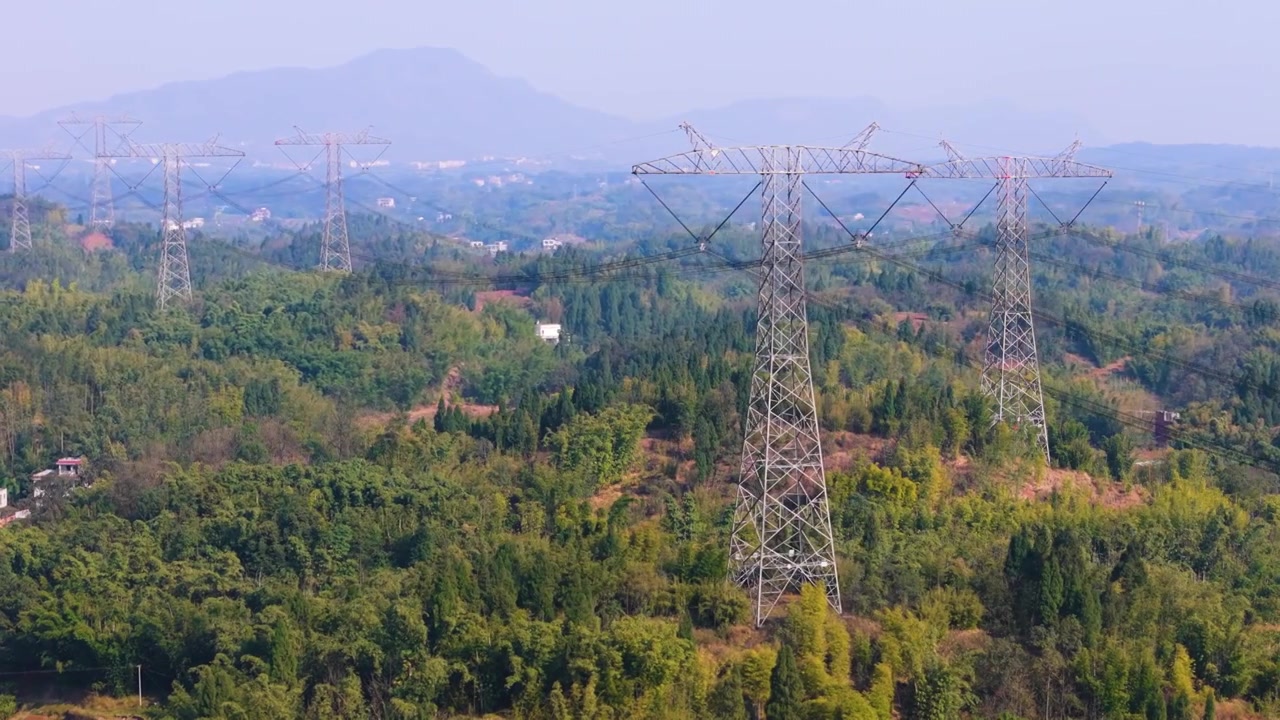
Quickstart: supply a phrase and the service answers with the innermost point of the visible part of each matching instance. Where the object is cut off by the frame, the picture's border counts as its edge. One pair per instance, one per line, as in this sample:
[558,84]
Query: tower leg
[20,231]
[175,269]
[102,209]
[335,254]
[1011,371]
[782,534]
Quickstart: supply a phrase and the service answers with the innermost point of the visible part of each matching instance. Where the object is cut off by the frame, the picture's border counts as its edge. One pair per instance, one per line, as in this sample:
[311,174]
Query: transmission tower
[1011,370]
[335,250]
[107,140]
[174,280]
[20,230]
[782,525]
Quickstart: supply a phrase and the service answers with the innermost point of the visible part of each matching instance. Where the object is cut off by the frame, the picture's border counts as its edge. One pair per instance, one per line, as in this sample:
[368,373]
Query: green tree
[939,695]
[882,691]
[1119,450]
[786,688]
[727,701]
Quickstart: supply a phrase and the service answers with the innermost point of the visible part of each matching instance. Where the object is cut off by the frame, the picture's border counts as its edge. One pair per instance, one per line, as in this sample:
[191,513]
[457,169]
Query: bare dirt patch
[492,296]
[96,241]
[843,449]
[917,319]
[1100,492]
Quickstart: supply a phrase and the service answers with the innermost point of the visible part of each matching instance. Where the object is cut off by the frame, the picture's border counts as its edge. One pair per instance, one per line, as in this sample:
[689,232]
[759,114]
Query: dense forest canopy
[381,495]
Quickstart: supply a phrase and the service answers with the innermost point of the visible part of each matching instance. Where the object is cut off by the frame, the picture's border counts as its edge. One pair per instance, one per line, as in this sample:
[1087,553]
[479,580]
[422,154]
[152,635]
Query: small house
[549,332]
[69,467]
[6,518]
[39,481]
[4,498]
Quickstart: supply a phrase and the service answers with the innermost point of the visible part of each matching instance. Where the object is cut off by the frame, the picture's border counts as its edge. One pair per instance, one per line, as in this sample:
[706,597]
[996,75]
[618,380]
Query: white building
[4,497]
[497,247]
[38,481]
[64,468]
[260,215]
[193,223]
[443,217]
[549,332]
[386,202]
[551,243]
[477,243]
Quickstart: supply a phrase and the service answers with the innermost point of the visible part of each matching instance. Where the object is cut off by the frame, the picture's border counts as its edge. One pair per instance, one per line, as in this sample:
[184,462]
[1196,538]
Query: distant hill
[433,103]
[436,104]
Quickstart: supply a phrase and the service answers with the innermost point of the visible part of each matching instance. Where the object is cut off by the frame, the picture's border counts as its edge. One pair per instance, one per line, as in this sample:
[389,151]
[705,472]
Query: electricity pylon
[1011,369]
[335,250]
[102,205]
[20,228]
[174,279]
[782,524]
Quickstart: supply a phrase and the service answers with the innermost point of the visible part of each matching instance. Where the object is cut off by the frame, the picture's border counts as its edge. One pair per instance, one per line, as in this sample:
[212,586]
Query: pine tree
[1210,707]
[442,418]
[786,688]
[726,701]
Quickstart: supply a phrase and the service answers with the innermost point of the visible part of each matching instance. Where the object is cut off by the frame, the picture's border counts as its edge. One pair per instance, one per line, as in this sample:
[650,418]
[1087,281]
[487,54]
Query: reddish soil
[96,241]
[489,296]
[1095,372]
[606,496]
[917,319]
[1101,492]
[427,412]
[1110,369]
[1074,359]
[842,449]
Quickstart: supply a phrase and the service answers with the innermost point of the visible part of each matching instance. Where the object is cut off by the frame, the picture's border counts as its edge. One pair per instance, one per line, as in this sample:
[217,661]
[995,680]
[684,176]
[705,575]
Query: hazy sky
[1163,70]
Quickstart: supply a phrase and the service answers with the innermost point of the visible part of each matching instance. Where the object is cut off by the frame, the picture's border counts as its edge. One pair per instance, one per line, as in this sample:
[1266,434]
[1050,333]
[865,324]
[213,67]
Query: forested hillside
[382,496]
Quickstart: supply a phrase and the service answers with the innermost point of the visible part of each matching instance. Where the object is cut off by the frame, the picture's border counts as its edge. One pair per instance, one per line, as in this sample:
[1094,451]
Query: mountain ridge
[438,104]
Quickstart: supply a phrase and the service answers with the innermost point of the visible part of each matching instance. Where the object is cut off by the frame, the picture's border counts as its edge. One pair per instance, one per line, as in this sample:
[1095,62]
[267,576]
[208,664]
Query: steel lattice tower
[174,276]
[335,248]
[102,204]
[20,227]
[1011,368]
[782,534]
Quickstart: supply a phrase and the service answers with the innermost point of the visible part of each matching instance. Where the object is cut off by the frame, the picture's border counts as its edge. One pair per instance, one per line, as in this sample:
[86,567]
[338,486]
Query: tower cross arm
[35,154]
[762,160]
[76,119]
[363,137]
[1003,166]
[160,150]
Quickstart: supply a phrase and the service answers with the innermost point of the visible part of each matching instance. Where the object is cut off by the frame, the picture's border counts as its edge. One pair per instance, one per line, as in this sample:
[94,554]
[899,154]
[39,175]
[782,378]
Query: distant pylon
[174,277]
[106,139]
[781,536]
[20,227]
[335,248]
[1011,370]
